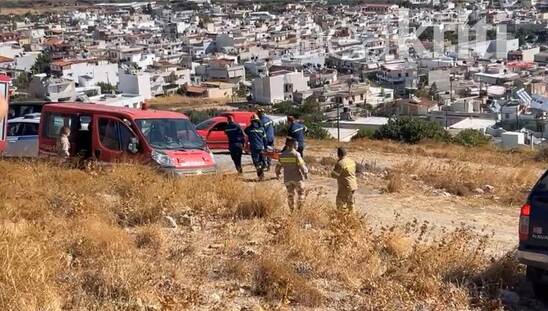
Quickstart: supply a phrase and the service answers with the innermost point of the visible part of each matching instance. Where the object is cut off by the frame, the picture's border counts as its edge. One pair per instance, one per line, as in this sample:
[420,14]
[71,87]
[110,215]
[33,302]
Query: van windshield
[172,134]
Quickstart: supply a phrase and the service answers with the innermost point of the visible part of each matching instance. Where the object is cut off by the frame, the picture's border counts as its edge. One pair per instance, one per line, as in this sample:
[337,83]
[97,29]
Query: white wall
[136,84]
[270,90]
[103,72]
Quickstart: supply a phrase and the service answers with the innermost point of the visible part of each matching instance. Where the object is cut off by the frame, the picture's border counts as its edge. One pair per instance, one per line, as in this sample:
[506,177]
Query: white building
[135,82]
[279,86]
[98,70]
[378,95]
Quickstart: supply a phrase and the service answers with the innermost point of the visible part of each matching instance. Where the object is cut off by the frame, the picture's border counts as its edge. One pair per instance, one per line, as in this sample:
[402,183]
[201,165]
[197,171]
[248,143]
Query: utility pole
[338,123]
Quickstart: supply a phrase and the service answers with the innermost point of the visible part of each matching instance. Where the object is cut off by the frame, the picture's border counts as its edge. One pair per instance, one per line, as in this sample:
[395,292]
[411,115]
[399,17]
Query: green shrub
[197,116]
[308,111]
[315,130]
[364,133]
[471,137]
[411,130]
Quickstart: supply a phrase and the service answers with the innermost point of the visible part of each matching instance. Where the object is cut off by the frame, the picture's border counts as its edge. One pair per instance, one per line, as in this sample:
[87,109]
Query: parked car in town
[165,139]
[533,237]
[213,130]
[20,109]
[22,136]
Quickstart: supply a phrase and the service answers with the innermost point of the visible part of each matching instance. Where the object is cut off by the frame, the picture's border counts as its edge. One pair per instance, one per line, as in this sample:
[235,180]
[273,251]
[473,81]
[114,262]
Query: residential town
[355,57]
[273,155]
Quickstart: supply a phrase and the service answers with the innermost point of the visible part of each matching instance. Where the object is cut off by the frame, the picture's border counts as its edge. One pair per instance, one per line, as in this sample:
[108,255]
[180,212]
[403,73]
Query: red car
[213,130]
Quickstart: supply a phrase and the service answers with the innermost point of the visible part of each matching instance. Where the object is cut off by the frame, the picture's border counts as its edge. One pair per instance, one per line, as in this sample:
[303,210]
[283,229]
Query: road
[224,162]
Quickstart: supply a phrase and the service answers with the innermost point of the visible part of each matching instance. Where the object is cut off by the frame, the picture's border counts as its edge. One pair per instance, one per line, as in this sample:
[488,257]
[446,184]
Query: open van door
[113,139]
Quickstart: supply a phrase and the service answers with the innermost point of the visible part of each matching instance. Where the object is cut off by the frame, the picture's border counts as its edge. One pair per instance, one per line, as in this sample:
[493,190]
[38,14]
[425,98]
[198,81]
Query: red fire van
[109,134]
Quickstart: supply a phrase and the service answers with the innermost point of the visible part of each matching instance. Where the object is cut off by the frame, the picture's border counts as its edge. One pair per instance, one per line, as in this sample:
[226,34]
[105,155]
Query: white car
[22,136]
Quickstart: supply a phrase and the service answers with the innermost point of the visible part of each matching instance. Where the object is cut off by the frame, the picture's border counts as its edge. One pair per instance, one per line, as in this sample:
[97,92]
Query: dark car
[533,237]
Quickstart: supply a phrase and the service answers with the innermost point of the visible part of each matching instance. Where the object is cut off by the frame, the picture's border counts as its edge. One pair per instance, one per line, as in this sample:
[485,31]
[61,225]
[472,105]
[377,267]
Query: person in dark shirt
[236,140]
[268,126]
[296,131]
[257,138]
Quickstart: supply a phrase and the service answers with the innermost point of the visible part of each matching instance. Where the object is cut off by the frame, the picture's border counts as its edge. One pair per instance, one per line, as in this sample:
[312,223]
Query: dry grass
[77,240]
[482,155]
[459,170]
[177,102]
[395,183]
[511,184]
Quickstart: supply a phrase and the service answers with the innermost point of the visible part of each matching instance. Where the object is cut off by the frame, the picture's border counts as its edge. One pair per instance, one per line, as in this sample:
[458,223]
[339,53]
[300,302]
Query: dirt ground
[436,208]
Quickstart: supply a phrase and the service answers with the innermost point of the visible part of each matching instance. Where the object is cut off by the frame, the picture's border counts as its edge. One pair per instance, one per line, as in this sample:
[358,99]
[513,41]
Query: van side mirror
[133,146]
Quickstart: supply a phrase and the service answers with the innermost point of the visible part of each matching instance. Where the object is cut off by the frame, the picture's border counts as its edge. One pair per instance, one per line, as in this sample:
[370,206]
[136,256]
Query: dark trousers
[300,149]
[236,155]
[267,160]
[258,160]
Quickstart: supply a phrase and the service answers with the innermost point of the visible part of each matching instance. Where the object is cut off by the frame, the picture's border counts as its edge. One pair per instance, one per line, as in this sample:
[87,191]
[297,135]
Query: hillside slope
[129,239]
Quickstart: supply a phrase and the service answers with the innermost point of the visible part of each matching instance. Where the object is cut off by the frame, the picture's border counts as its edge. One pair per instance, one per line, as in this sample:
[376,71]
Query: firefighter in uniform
[296,131]
[236,140]
[257,137]
[295,172]
[345,173]
[268,126]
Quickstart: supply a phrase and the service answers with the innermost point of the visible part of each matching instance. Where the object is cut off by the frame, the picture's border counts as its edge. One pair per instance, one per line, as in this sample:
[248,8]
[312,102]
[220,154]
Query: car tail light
[524,222]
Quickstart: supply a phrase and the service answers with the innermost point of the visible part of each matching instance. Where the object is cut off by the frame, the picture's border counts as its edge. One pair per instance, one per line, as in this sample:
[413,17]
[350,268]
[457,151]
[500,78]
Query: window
[54,123]
[221,126]
[204,125]
[125,136]
[108,134]
[173,134]
[14,129]
[84,122]
[29,129]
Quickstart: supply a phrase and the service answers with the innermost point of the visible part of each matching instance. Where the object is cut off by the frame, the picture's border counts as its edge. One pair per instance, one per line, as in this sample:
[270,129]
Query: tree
[471,137]
[22,81]
[412,130]
[106,88]
[42,63]
[422,92]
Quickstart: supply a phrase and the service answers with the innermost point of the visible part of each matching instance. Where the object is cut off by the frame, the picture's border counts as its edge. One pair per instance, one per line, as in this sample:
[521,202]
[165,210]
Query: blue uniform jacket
[235,134]
[256,135]
[268,125]
[296,131]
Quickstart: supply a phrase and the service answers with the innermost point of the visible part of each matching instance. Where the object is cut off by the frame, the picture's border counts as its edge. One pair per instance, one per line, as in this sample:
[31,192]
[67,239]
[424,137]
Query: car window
[29,129]
[542,184]
[14,129]
[108,134]
[125,136]
[84,122]
[205,125]
[54,123]
[221,126]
